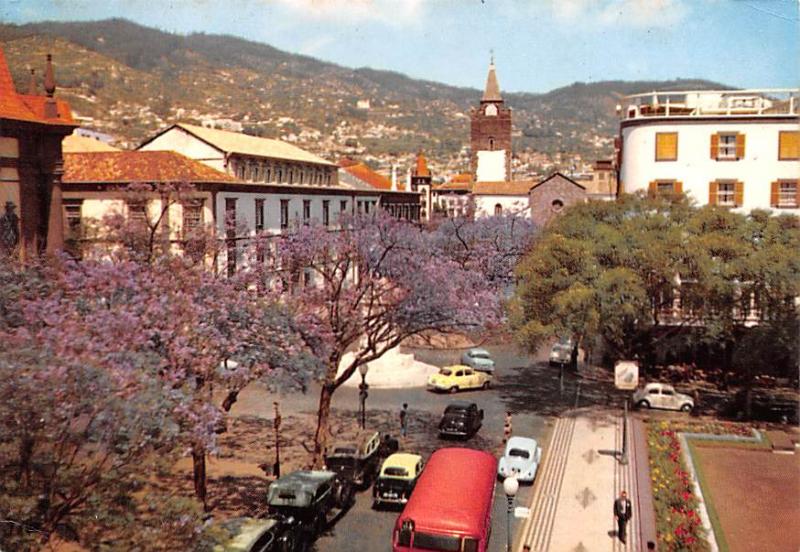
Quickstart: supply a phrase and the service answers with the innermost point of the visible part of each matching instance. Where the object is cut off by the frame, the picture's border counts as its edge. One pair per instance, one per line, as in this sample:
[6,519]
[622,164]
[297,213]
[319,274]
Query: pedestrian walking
[507,427]
[404,420]
[622,513]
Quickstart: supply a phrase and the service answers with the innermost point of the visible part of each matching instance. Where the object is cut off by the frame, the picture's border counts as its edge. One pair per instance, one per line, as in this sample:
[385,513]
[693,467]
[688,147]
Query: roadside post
[362,393]
[626,378]
[276,468]
[510,486]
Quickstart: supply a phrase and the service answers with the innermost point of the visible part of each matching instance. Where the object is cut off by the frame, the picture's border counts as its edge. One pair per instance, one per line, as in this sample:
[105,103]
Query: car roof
[525,443]
[305,479]
[362,438]
[246,532]
[479,350]
[401,460]
[456,367]
[462,405]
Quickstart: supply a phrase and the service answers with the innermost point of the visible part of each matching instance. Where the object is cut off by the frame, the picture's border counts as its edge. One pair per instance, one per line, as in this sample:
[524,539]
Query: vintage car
[458,377]
[520,459]
[561,353]
[309,497]
[478,359]
[358,460]
[274,534]
[662,395]
[397,479]
[460,419]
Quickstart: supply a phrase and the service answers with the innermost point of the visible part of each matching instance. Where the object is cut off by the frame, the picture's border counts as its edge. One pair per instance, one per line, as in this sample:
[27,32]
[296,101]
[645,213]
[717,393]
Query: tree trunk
[229,401]
[25,456]
[199,464]
[323,424]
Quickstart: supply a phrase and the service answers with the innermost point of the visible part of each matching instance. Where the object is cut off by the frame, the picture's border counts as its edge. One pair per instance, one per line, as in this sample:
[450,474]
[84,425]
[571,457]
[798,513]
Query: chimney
[394,177]
[32,88]
[50,108]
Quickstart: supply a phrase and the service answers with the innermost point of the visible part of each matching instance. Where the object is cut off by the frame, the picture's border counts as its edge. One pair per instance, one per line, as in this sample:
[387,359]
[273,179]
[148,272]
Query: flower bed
[677,520]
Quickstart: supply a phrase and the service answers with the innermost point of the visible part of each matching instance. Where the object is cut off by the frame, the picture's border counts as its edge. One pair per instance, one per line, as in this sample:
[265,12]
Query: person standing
[507,427]
[404,420]
[622,513]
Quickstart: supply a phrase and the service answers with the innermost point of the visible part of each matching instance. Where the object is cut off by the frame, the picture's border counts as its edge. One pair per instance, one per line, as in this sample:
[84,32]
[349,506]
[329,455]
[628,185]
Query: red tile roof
[458,182]
[508,187]
[137,166]
[367,175]
[26,108]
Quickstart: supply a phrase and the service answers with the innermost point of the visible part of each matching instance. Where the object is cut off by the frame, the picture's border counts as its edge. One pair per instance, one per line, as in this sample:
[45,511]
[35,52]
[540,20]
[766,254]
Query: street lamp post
[510,486]
[276,468]
[362,392]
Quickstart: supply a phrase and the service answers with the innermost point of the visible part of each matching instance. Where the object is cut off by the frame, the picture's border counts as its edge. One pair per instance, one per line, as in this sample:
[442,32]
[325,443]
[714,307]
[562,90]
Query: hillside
[131,80]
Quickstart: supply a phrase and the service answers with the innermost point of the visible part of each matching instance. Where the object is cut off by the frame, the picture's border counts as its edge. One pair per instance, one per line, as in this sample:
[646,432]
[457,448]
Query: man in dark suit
[622,513]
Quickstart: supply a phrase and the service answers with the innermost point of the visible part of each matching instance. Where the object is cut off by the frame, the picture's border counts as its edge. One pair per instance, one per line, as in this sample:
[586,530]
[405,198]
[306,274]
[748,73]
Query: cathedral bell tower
[490,134]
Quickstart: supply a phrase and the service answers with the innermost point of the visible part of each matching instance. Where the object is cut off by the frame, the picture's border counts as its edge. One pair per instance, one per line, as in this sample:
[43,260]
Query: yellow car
[458,377]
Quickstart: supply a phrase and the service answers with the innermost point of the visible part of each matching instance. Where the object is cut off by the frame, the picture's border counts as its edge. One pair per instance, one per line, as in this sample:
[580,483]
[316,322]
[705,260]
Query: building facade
[420,181]
[733,148]
[502,198]
[32,128]
[549,197]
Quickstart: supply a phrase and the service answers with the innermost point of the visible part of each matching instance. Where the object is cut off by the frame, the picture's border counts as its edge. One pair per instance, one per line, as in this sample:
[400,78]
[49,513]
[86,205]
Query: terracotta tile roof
[508,187]
[75,143]
[236,142]
[26,108]
[422,166]
[458,182]
[365,174]
[138,166]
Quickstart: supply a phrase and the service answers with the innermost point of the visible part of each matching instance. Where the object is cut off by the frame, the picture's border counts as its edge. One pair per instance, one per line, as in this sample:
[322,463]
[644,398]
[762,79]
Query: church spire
[492,91]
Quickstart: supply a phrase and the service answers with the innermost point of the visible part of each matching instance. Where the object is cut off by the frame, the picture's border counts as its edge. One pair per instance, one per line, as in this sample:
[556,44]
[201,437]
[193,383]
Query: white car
[662,395]
[478,359]
[520,459]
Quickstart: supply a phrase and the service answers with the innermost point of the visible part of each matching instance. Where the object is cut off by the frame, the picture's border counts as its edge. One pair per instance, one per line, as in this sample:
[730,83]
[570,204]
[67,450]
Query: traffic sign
[626,375]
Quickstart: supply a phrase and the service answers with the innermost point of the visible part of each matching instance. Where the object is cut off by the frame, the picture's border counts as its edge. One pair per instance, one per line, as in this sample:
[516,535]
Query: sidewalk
[571,505]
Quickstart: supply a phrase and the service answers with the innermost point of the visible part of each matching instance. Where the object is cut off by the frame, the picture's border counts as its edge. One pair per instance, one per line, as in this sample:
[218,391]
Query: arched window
[491,143]
[498,210]
[491,110]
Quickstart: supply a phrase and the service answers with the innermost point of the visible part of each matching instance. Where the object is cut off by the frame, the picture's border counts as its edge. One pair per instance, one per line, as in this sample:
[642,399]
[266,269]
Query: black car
[461,419]
[358,461]
[309,497]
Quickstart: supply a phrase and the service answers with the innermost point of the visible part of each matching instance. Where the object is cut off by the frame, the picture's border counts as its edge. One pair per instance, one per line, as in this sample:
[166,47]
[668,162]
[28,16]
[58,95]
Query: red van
[450,509]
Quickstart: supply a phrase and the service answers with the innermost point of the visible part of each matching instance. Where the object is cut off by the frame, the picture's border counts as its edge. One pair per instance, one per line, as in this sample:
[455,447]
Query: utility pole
[276,468]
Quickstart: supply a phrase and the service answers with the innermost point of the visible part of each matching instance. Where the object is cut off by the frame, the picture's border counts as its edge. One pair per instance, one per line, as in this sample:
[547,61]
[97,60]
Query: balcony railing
[762,102]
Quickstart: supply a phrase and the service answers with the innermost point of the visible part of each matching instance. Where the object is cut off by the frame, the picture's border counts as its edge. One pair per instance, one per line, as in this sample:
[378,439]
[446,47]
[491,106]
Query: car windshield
[519,453]
[445,372]
[397,472]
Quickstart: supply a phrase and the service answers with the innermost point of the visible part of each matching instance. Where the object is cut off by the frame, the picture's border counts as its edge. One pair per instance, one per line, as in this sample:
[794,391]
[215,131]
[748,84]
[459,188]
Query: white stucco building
[733,148]
[502,198]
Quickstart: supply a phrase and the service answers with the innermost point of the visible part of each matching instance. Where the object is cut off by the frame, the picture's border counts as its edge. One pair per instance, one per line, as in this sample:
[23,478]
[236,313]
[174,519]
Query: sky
[538,45]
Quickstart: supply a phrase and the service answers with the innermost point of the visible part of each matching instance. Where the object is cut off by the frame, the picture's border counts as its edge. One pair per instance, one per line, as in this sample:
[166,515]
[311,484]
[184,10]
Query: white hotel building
[733,148]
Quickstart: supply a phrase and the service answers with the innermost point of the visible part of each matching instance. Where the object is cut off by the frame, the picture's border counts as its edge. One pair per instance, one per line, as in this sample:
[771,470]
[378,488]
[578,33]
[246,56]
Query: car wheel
[486,384]
[686,408]
[643,404]
[454,389]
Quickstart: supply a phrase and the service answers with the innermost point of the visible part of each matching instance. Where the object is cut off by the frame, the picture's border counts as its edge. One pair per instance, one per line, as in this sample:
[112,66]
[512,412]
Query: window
[137,212]
[665,187]
[326,212]
[498,210]
[726,193]
[785,194]
[255,173]
[491,110]
[267,173]
[306,211]
[727,146]
[280,176]
[240,171]
[343,206]
[230,232]
[557,205]
[666,146]
[259,215]
[284,214]
[72,219]
[192,216]
[789,145]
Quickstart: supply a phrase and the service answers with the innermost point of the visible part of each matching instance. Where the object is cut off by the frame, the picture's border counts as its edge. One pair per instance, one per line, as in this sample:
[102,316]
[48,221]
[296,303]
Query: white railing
[704,103]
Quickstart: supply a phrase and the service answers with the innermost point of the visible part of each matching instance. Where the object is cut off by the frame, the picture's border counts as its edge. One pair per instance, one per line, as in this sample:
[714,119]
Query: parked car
[397,479]
[458,377]
[309,497]
[461,419]
[274,534]
[662,395]
[561,353]
[357,461]
[520,459]
[478,359]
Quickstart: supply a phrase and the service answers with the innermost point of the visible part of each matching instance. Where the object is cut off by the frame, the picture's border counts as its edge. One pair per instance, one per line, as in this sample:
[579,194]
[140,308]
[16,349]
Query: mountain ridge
[130,80]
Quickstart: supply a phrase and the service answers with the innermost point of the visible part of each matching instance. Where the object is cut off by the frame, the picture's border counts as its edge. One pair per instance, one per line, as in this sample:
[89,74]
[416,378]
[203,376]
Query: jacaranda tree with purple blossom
[371,284]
